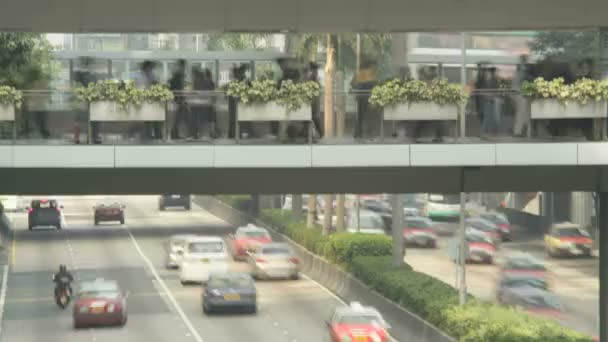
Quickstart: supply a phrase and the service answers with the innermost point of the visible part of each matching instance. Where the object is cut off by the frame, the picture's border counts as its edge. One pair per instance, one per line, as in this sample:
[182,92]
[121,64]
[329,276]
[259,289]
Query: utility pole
[329,124]
[311,216]
[462,249]
[398,249]
[296,206]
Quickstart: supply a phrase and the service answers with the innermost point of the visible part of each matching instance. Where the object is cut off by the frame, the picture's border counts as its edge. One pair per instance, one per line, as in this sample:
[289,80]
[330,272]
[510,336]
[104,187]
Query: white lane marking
[3,294]
[64,222]
[176,305]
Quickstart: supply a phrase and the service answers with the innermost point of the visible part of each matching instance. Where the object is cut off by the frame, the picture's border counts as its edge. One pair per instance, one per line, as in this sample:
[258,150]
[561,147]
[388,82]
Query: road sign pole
[462,251]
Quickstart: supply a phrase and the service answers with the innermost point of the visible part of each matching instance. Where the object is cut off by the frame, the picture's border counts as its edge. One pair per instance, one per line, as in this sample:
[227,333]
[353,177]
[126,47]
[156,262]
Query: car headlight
[346,338]
[375,337]
[111,308]
[566,244]
[84,309]
[216,292]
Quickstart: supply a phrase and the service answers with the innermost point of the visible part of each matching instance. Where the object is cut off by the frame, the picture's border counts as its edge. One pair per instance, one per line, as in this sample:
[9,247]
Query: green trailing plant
[293,95]
[396,91]
[124,94]
[582,91]
[10,96]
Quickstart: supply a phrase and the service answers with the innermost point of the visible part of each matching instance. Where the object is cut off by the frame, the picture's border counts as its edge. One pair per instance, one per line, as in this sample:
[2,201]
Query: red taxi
[481,248]
[246,239]
[357,323]
[100,302]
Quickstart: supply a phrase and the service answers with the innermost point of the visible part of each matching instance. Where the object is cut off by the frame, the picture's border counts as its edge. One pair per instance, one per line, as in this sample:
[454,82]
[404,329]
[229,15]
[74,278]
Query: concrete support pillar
[398,248]
[255,205]
[603,246]
[296,207]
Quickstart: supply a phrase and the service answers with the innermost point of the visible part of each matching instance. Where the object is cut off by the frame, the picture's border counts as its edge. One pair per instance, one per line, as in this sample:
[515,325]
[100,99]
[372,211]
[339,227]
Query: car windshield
[573,231]
[496,218]
[368,222]
[230,281]
[478,238]
[358,319]
[205,247]
[253,234]
[536,282]
[524,264]
[419,223]
[275,250]
[539,301]
[482,225]
[99,295]
[43,204]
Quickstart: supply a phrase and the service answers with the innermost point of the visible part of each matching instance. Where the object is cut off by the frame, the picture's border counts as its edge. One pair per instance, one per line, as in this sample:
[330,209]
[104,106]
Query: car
[355,322]
[523,264]
[442,207]
[568,239]
[500,220]
[410,211]
[480,248]
[444,228]
[246,238]
[109,211]
[380,207]
[174,200]
[203,255]
[371,222]
[44,213]
[100,302]
[419,231]
[508,281]
[229,290]
[534,300]
[274,260]
[175,250]
[485,226]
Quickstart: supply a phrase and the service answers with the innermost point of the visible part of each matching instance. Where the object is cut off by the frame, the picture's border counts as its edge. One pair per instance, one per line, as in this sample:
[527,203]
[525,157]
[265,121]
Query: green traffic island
[368,258]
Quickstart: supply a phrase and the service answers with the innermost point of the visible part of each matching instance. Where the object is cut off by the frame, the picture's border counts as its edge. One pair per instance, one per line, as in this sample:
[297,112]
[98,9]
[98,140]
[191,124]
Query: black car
[110,211]
[44,213]
[381,208]
[231,290]
[174,200]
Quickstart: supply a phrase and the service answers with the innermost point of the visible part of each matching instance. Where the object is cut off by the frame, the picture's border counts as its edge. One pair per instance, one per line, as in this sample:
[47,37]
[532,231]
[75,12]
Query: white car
[175,250]
[371,222]
[203,255]
[274,260]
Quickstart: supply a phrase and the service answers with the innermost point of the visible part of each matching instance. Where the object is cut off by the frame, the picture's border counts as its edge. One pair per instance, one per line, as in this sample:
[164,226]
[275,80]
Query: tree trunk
[296,207]
[312,211]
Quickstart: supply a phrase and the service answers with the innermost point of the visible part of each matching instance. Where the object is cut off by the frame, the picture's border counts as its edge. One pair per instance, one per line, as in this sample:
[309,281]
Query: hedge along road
[288,310]
[575,280]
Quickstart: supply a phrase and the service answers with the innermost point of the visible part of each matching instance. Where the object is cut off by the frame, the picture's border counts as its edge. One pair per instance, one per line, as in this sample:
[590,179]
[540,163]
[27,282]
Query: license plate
[205,261]
[232,296]
[97,310]
[361,339]
[175,196]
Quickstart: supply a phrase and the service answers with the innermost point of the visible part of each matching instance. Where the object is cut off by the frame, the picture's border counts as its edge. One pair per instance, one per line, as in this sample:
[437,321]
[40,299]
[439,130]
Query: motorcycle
[63,295]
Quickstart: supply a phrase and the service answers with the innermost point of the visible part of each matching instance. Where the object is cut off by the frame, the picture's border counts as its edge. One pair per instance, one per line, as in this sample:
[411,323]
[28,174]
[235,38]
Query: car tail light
[294,260]
[57,209]
[30,210]
[260,260]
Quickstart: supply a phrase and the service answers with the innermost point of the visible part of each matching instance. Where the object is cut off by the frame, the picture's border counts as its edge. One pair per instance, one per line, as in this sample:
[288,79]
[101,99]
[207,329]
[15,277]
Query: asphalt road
[575,279]
[160,308]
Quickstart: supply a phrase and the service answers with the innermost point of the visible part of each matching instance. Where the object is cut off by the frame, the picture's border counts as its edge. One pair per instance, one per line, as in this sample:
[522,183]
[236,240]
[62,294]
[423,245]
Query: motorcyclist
[63,278]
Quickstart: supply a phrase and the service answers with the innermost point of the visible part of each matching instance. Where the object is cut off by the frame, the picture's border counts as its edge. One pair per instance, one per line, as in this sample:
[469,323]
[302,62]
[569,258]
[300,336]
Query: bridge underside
[302,180]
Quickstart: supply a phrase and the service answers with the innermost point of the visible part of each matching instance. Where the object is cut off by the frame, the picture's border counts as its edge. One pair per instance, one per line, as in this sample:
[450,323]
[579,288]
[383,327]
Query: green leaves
[123,93]
[396,91]
[10,96]
[582,91]
[290,94]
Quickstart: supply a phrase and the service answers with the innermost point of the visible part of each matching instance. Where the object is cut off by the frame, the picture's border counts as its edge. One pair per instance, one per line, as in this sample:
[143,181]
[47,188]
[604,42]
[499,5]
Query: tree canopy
[25,58]
[566,45]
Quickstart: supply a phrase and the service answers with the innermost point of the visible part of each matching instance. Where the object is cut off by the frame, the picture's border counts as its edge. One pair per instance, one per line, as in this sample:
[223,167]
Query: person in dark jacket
[177,85]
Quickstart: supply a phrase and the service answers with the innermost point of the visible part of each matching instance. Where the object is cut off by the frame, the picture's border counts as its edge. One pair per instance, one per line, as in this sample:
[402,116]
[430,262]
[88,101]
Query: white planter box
[420,111]
[552,109]
[111,111]
[7,112]
[272,111]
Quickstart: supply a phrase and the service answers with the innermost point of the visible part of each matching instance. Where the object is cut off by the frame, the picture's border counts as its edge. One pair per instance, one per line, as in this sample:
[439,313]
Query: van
[202,256]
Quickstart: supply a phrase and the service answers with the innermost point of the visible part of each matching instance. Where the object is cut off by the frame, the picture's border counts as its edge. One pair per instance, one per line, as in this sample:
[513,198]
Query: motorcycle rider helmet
[62,268]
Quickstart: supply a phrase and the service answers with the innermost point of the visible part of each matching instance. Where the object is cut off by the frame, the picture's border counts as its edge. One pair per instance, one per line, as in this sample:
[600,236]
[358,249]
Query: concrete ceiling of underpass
[297,15]
[276,181]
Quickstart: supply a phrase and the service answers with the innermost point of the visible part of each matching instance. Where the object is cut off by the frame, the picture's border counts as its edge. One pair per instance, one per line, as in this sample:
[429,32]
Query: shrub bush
[239,202]
[342,248]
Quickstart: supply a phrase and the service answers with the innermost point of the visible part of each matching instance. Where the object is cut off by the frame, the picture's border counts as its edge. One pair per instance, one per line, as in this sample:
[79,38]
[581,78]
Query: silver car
[175,250]
[274,260]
